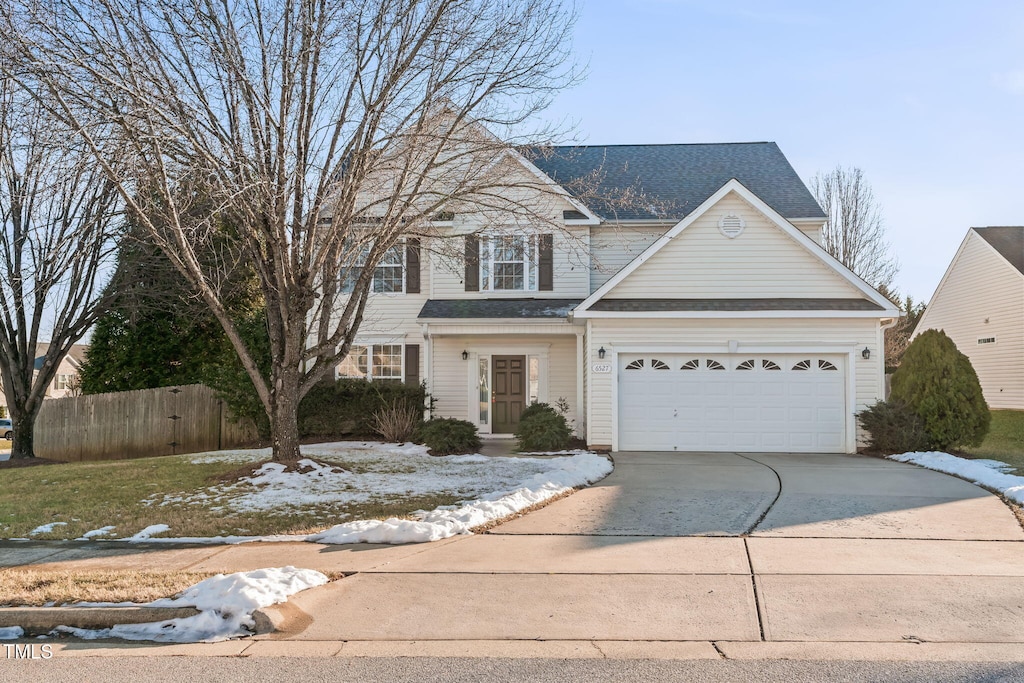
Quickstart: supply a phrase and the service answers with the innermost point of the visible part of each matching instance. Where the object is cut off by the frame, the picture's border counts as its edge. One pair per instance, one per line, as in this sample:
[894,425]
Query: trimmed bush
[939,384]
[348,407]
[542,428]
[448,436]
[894,428]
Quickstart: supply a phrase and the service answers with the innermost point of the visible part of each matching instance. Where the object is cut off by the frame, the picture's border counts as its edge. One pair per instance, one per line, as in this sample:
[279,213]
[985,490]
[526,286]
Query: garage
[734,402]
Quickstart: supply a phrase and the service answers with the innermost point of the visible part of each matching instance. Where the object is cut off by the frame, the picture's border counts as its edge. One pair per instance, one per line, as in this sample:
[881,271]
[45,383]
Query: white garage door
[762,403]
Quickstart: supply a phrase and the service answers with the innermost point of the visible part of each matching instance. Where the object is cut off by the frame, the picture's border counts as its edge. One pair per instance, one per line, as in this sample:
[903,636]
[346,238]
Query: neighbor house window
[508,263]
[380,362]
[388,276]
[64,381]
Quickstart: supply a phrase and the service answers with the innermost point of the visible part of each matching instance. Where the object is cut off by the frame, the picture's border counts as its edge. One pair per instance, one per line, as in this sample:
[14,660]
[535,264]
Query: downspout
[428,361]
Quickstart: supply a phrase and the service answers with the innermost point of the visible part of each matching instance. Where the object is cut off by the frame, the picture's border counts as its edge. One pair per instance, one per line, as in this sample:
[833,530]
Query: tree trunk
[23,424]
[284,415]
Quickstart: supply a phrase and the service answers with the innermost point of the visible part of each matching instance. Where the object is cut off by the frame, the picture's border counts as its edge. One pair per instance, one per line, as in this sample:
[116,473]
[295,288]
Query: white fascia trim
[732,314]
[591,219]
[772,215]
[438,324]
[921,324]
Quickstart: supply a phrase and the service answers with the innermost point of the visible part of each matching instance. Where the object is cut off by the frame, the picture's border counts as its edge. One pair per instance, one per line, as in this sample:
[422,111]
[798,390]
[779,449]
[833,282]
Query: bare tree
[897,337]
[60,222]
[321,133]
[855,232]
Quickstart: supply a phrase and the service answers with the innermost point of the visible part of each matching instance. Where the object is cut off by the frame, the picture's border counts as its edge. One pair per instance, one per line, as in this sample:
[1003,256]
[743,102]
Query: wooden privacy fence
[137,424]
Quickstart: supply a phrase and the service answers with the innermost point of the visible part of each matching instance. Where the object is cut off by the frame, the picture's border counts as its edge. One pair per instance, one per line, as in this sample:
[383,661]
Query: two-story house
[979,303]
[65,382]
[705,318]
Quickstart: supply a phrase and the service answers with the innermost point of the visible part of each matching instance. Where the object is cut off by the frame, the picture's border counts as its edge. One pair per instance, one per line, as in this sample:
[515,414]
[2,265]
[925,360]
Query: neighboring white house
[709,320]
[979,303]
[65,382]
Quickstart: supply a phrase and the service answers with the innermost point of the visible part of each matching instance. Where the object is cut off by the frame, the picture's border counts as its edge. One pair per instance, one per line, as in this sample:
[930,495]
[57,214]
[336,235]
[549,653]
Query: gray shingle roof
[1008,241]
[654,305]
[674,178]
[498,308]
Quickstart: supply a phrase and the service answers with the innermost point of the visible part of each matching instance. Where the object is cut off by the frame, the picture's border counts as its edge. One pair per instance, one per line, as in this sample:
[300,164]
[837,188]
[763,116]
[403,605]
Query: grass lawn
[194,495]
[26,587]
[1005,440]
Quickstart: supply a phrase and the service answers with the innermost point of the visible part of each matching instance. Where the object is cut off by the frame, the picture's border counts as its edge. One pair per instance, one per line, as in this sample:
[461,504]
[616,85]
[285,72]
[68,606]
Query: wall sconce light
[465,355]
[600,353]
[866,353]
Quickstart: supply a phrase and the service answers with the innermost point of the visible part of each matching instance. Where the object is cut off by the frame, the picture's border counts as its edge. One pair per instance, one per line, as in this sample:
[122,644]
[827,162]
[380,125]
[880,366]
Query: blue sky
[926,97]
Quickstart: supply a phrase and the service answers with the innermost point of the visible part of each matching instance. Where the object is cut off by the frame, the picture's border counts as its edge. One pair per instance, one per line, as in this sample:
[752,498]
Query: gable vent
[731,225]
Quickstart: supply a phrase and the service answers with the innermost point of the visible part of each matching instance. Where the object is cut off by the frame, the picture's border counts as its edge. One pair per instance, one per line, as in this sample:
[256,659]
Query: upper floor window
[388,276]
[63,381]
[508,263]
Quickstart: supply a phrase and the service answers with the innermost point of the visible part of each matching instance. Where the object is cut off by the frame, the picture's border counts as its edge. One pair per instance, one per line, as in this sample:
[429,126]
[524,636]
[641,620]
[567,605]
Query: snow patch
[446,521]
[46,528]
[105,531]
[149,532]
[11,632]
[981,472]
[225,604]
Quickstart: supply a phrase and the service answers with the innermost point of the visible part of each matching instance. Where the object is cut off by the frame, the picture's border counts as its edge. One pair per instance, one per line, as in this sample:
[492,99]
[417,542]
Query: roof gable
[673,180]
[1008,241]
[831,278]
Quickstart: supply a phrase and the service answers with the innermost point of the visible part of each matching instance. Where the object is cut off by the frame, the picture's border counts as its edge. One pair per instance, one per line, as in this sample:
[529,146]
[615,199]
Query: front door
[508,393]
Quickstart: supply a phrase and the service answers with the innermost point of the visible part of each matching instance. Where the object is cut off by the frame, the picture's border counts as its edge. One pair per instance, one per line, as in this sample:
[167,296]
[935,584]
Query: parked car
[7,429]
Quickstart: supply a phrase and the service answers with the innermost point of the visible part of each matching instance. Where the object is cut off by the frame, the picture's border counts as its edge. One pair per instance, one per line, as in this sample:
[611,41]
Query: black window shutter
[546,264]
[472,263]
[412,265]
[412,364]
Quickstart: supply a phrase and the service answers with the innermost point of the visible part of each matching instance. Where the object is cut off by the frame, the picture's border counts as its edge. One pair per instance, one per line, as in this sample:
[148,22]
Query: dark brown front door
[508,393]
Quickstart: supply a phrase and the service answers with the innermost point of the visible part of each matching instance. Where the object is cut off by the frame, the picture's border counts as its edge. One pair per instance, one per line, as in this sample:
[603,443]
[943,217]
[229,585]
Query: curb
[42,620]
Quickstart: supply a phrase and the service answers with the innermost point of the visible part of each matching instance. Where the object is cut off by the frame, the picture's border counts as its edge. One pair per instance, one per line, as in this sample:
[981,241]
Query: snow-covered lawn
[988,473]
[347,484]
[491,488]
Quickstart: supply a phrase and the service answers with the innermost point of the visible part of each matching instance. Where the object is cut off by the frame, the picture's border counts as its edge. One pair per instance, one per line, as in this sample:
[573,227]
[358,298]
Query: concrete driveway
[704,555]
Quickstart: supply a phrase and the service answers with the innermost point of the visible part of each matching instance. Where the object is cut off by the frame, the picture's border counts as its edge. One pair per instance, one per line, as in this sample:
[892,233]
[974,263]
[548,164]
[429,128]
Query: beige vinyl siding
[762,262]
[613,247]
[450,385]
[392,317]
[797,332]
[571,263]
[981,286]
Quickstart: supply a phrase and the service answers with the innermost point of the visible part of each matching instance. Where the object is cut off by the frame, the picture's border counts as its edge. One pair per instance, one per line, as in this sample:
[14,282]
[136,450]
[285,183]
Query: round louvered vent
[731,225]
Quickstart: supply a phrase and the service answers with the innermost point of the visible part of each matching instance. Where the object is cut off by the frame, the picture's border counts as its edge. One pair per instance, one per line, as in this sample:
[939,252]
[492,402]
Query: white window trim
[369,362]
[531,264]
[361,263]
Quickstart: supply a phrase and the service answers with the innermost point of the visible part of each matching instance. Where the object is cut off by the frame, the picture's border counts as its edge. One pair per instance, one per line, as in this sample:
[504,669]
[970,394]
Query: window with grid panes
[508,263]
